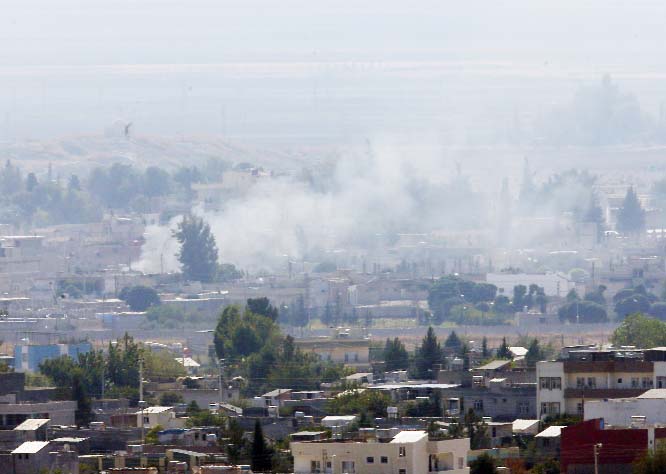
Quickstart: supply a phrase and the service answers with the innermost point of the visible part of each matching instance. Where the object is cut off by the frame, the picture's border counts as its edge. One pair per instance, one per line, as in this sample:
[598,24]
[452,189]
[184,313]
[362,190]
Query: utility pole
[221,367]
[142,403]
[597,448]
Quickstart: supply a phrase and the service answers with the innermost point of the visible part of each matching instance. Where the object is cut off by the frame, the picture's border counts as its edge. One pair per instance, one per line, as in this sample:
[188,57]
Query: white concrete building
[409,452]
[645,410]
[566,385]
[553,284]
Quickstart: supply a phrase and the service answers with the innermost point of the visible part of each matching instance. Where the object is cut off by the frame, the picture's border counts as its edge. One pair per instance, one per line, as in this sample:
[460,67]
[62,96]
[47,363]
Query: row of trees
[452,298]
[114,373]
[250,342]
[431,353]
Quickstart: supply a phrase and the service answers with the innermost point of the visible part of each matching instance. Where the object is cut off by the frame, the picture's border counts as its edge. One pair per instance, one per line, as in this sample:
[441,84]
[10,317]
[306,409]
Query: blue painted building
[27,357]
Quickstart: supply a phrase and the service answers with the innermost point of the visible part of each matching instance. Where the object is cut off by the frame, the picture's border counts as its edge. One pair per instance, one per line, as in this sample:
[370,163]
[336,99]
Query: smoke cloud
[369,196]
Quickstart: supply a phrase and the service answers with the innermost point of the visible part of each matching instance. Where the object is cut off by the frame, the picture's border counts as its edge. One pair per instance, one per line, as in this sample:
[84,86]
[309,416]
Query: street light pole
[597,448]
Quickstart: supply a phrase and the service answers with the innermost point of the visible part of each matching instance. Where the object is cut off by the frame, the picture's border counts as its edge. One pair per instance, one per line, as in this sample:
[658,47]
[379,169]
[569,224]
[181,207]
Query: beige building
[343,349]
[162,416]
[408,452]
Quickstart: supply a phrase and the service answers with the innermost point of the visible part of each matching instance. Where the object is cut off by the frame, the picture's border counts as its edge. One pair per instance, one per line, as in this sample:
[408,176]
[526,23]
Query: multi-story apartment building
[564,385]
[408,452]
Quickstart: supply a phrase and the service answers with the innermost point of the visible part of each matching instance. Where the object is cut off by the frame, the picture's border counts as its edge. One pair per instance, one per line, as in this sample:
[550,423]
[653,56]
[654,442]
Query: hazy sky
[295,70]
[176,31]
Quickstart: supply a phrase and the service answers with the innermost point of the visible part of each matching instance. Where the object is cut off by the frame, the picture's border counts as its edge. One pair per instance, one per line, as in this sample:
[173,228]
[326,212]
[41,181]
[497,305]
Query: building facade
[579,376]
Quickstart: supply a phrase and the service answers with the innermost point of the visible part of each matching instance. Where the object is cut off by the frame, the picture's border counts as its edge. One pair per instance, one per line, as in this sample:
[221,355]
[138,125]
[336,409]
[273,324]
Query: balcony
[603,392]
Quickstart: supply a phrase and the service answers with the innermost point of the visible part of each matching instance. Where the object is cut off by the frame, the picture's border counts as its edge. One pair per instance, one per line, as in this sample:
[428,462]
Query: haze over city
[332,237]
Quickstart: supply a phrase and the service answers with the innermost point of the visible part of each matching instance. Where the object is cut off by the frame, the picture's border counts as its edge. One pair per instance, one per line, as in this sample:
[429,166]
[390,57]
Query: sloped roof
[551,432]
[31,447]
[32,424]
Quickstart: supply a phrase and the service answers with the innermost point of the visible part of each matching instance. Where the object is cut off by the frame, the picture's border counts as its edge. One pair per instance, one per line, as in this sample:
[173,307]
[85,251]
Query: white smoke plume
[369,195]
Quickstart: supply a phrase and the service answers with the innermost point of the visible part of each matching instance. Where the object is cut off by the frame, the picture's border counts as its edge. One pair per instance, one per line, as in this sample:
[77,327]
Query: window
[550,383]
[370,460]
[478,405]
[402,452]
[494,435]
[348,467]
[619,381]
[592,382]
[523,408]
[315,466]
[461,463]
[635,381]
[545,442]
[580,382]
[402,471]
[384,459]
[552,408]
[579,408]
[646,382]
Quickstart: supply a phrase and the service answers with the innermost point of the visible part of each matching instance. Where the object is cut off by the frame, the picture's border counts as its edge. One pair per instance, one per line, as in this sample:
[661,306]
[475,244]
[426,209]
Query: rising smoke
[368,197]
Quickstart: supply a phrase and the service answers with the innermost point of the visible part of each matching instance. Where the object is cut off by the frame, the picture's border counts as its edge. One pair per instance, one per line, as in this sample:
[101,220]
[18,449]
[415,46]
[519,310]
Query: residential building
[579,376]
[553,284]
[165,417]
[408,452]
[498,390]
[33,429]
[59,412]
[342,348]
[41,456]
[27,357]
[648,408]
[548,441]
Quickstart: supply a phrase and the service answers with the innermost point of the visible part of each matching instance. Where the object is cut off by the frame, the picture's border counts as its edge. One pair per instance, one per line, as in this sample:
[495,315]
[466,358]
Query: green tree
[260,452]
[483,464]
[453,341]
[485,352]
[151,435]
[597,295]
[372,402]
[298,315]
[519,293]
[83,414]
[631,217]
[477,430]
[549,466]
[651,462]
[263,307]
[503,351]
[139,298]
[427,355]
[640,331]
[534,353]
[237,442]
[198,251]
[583,311]
[637,303]
[395,355]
